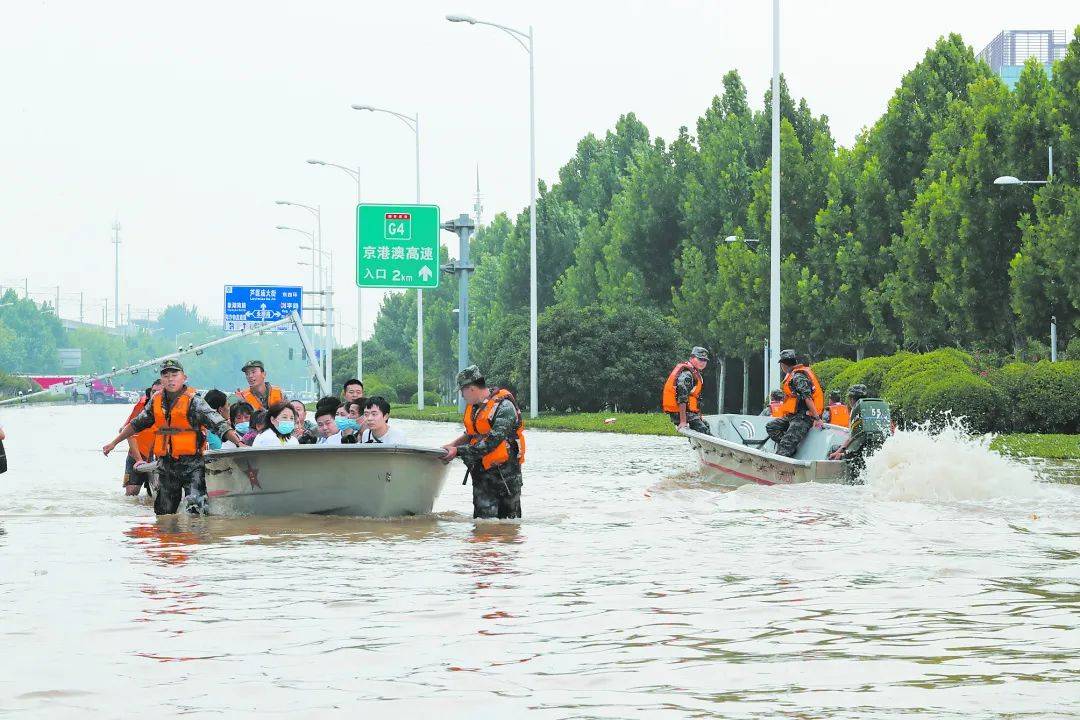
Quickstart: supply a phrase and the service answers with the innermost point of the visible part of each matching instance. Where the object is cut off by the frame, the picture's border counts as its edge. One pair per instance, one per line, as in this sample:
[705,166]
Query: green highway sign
[397,246]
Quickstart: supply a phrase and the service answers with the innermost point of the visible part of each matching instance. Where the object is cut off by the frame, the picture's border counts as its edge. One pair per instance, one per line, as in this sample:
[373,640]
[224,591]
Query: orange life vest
[174,435]
[669,400]
[791,402]
[839,414]
[144,439]
[479,429]
[273,397]
[776,408]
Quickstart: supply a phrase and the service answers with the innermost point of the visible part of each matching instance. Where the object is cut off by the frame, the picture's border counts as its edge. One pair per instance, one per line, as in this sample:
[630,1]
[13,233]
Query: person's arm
[683,385]
[2,435]
[210,418]
[804,390]
[141,421]
[133,450]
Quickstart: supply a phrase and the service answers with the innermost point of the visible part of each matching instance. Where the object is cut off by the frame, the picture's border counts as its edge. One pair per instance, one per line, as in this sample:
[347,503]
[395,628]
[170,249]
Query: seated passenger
[279,432]
[351,421]
[376,421]
[328,431]
[837,412]
[240,418]
[305,432]
[219,403]
[776,404]
[258,423]
[353,389]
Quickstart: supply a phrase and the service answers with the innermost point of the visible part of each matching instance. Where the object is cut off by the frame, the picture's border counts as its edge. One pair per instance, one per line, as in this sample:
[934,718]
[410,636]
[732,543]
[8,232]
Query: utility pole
[80,306]
[57,308]
[116,275]
[463,227]
[774,246]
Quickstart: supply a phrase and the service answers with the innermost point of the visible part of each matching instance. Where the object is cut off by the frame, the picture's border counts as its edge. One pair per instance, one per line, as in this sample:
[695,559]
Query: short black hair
[359,406]
[237,408]
[378,401]
[327,404]
[325,409]
[352,381]
[260,419]
[215,398]
[835,395]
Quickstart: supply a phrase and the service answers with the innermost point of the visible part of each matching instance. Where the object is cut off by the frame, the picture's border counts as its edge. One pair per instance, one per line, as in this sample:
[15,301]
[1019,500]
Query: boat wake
[946,463]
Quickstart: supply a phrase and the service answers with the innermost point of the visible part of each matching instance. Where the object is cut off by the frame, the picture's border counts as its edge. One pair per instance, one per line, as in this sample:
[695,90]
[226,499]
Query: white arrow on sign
[425,273]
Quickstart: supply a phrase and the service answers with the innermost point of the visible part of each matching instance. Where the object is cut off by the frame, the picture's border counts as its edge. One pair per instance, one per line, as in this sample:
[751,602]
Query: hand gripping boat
[363,480]
[740,452]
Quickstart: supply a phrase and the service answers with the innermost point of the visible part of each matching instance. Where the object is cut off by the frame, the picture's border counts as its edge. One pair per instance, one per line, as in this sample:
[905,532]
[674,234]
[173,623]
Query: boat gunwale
[253,452]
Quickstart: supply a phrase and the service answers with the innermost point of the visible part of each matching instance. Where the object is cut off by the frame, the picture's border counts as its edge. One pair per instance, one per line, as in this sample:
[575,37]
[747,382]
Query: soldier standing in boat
[260,394]
[492,447]
[682,391]
[179,418]
[804,401]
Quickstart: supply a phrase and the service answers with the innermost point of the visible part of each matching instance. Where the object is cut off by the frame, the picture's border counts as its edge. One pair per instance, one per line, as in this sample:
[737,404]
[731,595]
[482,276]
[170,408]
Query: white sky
[187,120]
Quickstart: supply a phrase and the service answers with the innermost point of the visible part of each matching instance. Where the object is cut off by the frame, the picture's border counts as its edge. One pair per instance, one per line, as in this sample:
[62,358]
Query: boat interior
[749,431]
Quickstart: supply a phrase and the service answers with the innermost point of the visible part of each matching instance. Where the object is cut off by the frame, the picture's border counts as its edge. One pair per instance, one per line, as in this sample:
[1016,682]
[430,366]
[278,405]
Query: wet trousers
[693,421]
[497,492]
[180,477]
[789,432]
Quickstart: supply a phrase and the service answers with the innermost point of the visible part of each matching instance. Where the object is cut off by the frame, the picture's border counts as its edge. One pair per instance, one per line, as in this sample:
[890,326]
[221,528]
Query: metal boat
[739,452]
[362,480]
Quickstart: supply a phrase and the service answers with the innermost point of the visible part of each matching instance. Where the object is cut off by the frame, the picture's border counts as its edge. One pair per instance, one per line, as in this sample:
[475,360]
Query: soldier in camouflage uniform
[789,431]
[492,447]
[682,390]
[179,439]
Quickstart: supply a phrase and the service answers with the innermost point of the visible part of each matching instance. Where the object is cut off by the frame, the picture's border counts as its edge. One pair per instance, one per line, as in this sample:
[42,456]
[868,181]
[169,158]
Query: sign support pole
[463,227]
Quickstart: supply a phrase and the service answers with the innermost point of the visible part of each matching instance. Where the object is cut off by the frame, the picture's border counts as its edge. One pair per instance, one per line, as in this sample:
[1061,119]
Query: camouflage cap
[470,376]
[700,353]
[172,364]
[857,391]
[253,364]
[789,356]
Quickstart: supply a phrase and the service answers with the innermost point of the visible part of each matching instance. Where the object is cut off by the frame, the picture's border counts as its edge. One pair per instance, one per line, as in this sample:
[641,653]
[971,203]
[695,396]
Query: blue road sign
[248,307]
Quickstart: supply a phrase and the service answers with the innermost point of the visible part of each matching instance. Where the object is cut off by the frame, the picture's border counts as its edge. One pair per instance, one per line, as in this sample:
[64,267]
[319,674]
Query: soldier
[492,448]
[260,394]
[804,401]
[179,418]
[682,390]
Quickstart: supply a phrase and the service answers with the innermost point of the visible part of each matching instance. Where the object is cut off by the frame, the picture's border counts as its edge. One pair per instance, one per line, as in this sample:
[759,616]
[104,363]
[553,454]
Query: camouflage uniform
[789,432]
[496,492]
[683,385]
[184,475]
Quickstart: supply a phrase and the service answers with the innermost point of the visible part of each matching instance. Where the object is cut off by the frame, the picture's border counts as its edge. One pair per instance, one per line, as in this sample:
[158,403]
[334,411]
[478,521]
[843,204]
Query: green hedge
[930,365]
[962,394]
[827,370]
[1049,398]
[868,371]
[430,398]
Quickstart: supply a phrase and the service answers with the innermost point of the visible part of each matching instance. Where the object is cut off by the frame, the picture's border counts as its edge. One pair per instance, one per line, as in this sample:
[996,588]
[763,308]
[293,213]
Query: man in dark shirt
[180,419]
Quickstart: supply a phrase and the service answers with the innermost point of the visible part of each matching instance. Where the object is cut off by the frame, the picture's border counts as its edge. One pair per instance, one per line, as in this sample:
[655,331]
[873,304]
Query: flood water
[632,588]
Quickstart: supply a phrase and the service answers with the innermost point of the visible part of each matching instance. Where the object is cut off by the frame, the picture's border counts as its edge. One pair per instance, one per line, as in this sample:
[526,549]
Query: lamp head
[461,18]
[1008,180]
[363,107]
[316,162]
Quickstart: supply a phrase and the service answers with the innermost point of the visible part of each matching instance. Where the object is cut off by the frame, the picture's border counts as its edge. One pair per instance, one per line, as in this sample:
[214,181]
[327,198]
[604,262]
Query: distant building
[1007,53]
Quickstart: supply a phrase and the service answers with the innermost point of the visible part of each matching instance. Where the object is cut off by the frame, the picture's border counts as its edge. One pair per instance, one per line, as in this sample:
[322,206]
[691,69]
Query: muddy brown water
[633,587]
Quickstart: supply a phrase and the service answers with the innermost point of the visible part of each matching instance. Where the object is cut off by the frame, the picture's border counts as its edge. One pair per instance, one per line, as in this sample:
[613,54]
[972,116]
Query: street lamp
[176,338]
[355,175]
[525,40]
[413,123]
[327,292]
[748,241]
[1010,180]
[774,243]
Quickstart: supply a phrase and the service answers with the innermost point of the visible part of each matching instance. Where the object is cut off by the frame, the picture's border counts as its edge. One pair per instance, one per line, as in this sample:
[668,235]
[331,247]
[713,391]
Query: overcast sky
[188,120]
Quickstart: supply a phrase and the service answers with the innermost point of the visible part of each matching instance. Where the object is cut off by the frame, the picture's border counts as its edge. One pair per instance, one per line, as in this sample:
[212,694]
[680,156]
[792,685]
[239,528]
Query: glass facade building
[1007,53]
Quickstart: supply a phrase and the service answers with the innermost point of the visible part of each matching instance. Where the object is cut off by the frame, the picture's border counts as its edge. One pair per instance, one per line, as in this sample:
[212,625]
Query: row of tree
[899,242]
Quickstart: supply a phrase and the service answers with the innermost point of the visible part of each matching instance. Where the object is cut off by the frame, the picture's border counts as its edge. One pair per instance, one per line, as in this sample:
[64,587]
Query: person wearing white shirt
[279,432]
[326,427]
[377,428]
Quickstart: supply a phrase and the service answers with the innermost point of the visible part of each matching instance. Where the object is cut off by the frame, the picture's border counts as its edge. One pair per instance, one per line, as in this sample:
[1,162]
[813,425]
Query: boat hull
[361,480]
[726,458]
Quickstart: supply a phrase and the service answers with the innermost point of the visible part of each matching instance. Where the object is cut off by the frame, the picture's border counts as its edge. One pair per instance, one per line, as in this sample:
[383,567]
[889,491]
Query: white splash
[946,464]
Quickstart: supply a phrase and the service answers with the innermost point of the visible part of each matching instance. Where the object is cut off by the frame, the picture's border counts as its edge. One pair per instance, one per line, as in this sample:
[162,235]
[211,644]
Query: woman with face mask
[279,431]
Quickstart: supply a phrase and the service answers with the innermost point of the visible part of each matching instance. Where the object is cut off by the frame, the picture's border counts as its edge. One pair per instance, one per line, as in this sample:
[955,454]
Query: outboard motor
[871,426]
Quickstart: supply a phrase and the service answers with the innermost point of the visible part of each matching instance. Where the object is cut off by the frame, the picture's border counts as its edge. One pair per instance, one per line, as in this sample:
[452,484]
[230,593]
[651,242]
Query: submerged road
[633,587]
